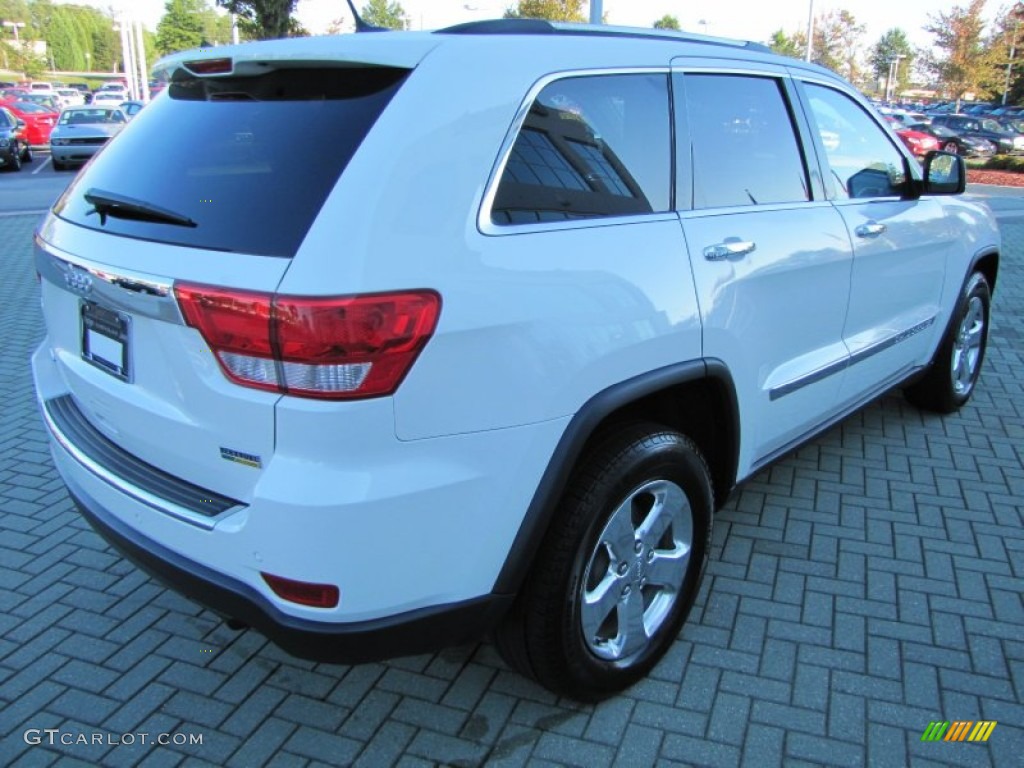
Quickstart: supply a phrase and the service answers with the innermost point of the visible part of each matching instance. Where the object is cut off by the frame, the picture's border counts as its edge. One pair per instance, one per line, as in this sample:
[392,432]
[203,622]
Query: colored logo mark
[959,730]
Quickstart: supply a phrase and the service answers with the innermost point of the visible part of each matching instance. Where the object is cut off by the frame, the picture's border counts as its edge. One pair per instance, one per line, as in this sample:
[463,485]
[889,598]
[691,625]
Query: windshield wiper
[121,207]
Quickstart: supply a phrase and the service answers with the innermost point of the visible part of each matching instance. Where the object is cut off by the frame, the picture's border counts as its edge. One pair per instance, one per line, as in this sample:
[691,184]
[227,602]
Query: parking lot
[862,588]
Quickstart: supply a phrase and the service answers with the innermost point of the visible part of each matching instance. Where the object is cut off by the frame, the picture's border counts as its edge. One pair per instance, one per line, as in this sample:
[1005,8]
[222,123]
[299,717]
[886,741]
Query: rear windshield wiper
[121,207]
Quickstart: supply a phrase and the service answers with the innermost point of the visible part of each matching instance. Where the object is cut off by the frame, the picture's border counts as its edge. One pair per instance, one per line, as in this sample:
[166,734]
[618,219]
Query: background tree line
[965,57]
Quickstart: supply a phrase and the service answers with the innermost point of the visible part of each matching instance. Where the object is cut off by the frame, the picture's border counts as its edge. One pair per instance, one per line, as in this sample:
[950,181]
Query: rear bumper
[408,633]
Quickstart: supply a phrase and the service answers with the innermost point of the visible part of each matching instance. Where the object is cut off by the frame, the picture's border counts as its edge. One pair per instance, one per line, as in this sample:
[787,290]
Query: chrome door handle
[871,229]
[732,248]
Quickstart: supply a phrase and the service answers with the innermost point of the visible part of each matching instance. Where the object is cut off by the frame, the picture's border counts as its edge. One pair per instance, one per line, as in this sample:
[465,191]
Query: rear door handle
[732,248]
[870,229]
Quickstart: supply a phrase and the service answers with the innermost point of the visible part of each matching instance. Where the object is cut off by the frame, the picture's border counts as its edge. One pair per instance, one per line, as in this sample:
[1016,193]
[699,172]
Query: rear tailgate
[136,372]
[214,184]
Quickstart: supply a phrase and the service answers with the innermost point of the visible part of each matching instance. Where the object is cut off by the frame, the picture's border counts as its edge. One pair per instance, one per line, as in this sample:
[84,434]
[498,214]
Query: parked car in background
[82,132]
[41,87]
[953,141]
[906,118]
[109,97]
[1008,142]
[71,97]
[48,100]
[14,148]
[39,121]
[917,142]
[131,108]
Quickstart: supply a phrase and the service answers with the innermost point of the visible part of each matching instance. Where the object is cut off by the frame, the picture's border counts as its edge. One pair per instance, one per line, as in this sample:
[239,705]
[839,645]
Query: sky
[742,19]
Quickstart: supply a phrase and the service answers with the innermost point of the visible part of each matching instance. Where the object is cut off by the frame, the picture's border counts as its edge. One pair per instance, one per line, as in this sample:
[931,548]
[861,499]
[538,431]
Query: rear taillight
[335,348]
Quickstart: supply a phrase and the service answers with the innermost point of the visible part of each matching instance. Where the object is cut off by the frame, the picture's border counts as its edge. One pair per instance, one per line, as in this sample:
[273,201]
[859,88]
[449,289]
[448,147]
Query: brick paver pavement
[867,585]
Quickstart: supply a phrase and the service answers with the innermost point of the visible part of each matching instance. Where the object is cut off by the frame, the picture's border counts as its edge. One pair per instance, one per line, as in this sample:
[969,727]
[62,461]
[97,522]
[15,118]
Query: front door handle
[732,248]
[870,229]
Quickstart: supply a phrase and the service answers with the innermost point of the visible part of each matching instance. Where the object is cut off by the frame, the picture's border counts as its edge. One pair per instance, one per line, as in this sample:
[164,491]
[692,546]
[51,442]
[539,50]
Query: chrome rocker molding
[192,504]
[902,377]
[841,365]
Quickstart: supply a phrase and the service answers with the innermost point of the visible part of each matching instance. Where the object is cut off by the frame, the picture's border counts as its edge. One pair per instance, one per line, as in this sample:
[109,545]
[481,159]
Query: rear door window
[744,142]
[590,147]
[250,160]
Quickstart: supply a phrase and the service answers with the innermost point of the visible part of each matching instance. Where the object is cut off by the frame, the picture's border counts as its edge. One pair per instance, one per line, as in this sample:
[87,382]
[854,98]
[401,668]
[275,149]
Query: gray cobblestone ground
[865,586]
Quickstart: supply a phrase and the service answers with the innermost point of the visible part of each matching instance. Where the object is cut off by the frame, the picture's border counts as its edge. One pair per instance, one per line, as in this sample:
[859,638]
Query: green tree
[962,61]
[837,38]
[265,19]
[890,45]
[552,10]
[381,13]
[794,45]
[216,27]
[667,22]
[1007,43]
[181,26]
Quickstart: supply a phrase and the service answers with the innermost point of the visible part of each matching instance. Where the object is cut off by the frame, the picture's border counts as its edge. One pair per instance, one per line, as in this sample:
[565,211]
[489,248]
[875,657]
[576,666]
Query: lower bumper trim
[421,631]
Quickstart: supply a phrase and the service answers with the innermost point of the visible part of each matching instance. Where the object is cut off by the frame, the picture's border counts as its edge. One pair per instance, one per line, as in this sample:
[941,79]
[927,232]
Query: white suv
[436,335]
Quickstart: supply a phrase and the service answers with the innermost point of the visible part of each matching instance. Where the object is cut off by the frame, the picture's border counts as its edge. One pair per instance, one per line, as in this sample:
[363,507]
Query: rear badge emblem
[78,280]
[238,457]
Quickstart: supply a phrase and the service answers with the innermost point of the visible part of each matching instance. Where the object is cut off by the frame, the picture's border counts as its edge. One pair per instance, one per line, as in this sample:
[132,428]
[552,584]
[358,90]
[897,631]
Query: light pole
[810,30]
[595,11]
[1017,11]
[893,74]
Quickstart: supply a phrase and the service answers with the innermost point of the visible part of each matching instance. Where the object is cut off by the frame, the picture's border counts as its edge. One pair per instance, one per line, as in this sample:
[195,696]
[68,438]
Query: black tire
[953,374]
[640,474]
[15,161]
[26,154]
[57,165]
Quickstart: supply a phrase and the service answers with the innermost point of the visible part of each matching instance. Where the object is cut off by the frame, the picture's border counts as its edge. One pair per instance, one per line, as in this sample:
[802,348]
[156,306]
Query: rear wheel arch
[696,398]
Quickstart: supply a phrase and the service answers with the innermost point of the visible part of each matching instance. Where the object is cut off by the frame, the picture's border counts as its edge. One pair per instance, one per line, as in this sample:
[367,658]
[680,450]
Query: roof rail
[542,27]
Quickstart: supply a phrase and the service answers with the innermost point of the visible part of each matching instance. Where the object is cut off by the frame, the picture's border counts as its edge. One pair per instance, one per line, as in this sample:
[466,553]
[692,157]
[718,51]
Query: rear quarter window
[590,147]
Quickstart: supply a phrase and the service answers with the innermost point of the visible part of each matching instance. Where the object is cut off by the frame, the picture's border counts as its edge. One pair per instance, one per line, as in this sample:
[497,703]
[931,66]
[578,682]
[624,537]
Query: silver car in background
[81,132]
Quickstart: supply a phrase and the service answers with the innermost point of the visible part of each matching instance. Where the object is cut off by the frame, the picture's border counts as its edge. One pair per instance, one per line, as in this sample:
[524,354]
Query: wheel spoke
[598,604]
[632,633]
[669,570]
[618,534]
[669,501]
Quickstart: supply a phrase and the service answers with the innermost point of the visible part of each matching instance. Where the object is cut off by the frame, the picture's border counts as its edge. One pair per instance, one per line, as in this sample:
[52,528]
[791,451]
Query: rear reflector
[335,348]
[302,592]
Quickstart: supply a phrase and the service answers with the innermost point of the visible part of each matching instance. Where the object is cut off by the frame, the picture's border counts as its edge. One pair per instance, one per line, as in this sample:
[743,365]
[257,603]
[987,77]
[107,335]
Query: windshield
[84,116]
[249,159]
[32,109]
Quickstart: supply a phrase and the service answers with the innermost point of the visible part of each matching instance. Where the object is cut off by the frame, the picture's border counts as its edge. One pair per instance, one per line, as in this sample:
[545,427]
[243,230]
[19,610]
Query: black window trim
[484,223]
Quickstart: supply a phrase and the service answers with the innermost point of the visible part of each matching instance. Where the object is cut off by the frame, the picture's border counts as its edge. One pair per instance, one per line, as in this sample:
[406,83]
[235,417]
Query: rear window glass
[590,147]
[249,160]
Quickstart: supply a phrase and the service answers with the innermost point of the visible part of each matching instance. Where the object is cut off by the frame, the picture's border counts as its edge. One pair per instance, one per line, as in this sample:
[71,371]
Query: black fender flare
[580,429]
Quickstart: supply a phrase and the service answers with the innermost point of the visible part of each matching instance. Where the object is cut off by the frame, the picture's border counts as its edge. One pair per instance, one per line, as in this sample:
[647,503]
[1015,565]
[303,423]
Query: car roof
[590,44]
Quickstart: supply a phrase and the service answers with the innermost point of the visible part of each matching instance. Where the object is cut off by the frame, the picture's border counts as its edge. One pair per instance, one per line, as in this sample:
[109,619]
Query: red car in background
[39,121]
[919,143]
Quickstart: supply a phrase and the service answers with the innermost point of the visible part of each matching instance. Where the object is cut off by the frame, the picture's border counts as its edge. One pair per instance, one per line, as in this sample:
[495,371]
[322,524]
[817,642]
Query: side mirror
[20,123]
[944,174]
